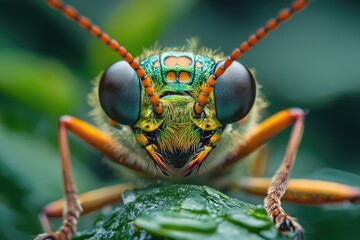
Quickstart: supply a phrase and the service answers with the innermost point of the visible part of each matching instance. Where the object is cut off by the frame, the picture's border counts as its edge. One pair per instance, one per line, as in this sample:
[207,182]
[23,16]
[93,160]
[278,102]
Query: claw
[69,222]
[190,170]
[52,236]
[46,236]
[198,159]
[288,224]
[157,158]
[164,171]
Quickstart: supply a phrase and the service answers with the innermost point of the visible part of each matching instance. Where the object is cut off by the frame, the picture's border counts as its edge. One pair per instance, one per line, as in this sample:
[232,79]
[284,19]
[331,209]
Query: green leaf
[182,212]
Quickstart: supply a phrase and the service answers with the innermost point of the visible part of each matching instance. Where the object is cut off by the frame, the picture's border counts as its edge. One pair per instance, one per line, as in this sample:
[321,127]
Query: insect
[181,109]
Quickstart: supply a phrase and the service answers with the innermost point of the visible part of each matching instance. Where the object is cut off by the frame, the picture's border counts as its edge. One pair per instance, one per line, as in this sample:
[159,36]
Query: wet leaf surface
[182,212]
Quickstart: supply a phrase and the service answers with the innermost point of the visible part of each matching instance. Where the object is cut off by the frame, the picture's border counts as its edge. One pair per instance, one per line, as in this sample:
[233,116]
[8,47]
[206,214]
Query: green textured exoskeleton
[178,136]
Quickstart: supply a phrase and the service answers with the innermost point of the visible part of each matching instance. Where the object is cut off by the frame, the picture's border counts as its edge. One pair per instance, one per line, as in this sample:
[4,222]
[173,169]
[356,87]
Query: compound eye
[119,93]
[234,92]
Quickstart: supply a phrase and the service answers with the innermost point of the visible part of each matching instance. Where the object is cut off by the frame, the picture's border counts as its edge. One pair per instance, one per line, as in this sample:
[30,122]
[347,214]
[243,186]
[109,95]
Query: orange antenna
[271,25]
[84,22]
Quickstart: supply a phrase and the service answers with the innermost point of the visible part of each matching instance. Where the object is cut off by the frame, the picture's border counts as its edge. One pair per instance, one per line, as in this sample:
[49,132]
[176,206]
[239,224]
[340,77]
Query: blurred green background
[47,63]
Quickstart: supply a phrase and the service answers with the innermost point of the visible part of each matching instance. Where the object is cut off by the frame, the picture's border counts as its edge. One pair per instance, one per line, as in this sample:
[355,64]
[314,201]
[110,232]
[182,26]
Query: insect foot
[66,230]
[47,236]
[284,223]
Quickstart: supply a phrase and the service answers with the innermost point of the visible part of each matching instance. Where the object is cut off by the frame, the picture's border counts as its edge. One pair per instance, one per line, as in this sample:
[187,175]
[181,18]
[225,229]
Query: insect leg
[90,201]
[278,186]
[99,141]
[260,135]
[303,191]
[257,166]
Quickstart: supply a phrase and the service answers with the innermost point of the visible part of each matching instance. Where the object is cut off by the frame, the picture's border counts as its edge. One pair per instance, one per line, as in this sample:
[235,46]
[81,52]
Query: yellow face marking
[141,139]
[184,77]
[171,76]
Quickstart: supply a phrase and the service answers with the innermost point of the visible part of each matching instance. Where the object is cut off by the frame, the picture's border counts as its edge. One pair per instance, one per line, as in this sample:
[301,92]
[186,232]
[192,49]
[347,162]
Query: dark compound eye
[235,93]
[119,93]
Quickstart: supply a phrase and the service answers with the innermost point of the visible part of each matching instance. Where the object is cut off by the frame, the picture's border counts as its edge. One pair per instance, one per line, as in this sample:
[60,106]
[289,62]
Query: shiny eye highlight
[234,93]
[119,93]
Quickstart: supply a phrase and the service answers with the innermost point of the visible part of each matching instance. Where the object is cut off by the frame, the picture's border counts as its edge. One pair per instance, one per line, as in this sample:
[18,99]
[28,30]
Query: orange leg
[257,137]
[99,141]
[261,134]
[257,166]
[90,201]
[303,191]
[300,191]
